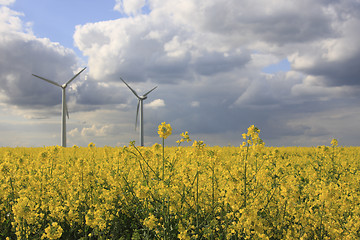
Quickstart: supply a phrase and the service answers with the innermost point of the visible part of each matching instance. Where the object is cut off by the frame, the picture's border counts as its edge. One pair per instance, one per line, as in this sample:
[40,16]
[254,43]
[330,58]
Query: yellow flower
[185,138]
[165,130]
[182,232]
[53,231]
[156,146]
[150,221]
[334,142]
[199,144]
[244,136]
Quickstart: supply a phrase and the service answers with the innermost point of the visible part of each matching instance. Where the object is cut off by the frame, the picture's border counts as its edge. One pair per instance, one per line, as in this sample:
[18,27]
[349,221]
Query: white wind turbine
[64,106]
[140,103]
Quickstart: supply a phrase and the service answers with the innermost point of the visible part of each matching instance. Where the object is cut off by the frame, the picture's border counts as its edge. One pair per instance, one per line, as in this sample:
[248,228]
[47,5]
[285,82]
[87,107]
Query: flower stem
[163,153]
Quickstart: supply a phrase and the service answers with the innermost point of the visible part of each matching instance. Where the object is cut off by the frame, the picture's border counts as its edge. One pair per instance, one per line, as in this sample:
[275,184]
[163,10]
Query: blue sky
[56,20]
[281,66]
[290,68]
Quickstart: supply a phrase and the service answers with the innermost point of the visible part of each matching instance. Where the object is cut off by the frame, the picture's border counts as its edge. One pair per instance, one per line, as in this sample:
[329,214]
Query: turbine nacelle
[142,97]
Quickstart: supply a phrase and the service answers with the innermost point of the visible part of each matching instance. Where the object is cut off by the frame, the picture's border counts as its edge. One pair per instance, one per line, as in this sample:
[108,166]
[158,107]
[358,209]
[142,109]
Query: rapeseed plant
[199,192]
[53,231]
[184,138]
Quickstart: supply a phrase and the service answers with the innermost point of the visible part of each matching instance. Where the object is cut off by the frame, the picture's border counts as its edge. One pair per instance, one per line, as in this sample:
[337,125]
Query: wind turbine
[64,106]
[140,103]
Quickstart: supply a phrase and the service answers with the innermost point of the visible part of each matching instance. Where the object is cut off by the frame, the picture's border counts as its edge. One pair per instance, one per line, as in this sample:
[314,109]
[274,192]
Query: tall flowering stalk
[251,139]
[185,138]
[164,130]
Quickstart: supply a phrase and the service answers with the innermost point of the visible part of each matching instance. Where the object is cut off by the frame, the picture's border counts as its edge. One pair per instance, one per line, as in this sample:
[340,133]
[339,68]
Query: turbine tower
[140,103]
[64,106]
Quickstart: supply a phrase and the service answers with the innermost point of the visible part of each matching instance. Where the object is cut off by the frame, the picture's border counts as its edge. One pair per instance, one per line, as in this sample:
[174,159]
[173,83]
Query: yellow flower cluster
[334,142]
[184,138]
[164,130]
[200,192]
[199,144]
[252,137]
[53,231]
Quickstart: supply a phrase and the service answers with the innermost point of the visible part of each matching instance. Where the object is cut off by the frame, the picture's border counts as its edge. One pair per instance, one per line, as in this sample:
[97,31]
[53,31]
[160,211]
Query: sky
[291,68]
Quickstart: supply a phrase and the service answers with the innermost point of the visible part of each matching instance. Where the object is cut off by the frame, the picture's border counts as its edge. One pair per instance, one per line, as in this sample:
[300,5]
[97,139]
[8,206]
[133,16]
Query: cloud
[180,41]
[74,132]
[207,59]
[94,131]
[129,7]
[335,59]
[96,93]
[131,51]
[156,104]
[10,20]
[216,62]
[195,104]
[240,22]
[6,2]
[22,54]
[315,89]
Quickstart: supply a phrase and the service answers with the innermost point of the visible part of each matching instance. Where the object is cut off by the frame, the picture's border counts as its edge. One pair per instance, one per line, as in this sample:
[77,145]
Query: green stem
[213,192]
[142,157]
[163,152]
[197,201]
[245,170]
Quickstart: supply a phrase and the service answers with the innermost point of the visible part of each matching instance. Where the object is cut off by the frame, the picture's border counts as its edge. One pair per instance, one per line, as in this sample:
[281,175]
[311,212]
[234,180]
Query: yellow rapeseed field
[198,192]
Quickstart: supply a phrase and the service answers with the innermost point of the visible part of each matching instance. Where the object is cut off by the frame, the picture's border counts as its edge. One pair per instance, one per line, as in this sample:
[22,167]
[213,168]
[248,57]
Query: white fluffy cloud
[6,2]
[10,21]
[98,131]
[129,7]
[157,103]
[179,39]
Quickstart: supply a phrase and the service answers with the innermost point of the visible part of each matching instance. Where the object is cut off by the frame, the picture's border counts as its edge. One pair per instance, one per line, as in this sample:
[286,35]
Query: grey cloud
[338,73]
[268,91]
[316,132]
[22,57]
[94,93]
[334,59]
[191,52]
[292,28]
[169,70]
[210,63]
[281,22]
[258,93]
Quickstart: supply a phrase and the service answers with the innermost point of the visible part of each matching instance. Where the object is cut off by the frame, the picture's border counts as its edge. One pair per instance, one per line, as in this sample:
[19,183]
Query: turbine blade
[52,82]
[149,91]
[74,77]
[137,113]
[130,88]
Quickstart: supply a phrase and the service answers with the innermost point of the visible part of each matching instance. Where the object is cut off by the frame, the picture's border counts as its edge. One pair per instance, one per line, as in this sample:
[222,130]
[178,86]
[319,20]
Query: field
[199,192]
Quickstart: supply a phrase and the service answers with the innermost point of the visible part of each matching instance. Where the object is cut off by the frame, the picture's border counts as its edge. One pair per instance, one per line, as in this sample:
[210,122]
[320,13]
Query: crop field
[195,192]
